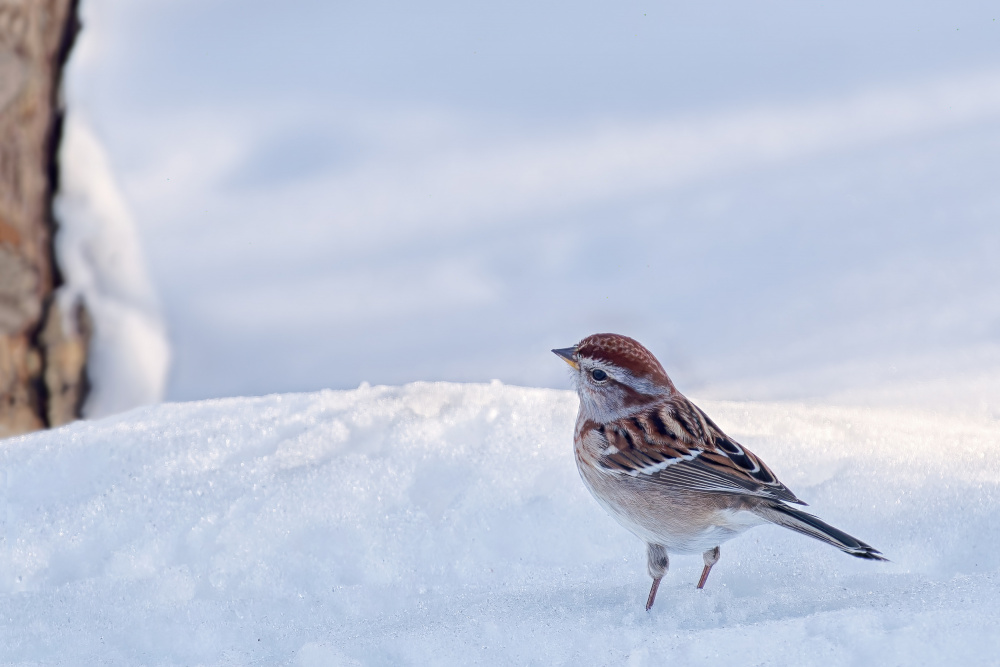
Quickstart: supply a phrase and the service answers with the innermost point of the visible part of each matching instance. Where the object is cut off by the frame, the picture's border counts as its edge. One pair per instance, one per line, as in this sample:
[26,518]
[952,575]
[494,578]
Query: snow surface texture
[102,265]
[446,524]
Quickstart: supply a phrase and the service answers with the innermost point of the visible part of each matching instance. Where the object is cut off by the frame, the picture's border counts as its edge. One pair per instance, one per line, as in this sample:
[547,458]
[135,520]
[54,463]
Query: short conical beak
[568,354]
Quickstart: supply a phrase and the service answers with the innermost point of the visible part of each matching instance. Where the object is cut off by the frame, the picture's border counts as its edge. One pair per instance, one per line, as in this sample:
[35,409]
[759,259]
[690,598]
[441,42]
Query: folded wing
[676,443]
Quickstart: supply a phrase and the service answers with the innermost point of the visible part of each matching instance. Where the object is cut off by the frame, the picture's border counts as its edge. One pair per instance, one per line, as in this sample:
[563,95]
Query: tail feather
[807,524]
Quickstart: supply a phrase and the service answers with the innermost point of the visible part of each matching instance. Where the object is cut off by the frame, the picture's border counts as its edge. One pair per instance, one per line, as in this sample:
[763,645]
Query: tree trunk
[42,348]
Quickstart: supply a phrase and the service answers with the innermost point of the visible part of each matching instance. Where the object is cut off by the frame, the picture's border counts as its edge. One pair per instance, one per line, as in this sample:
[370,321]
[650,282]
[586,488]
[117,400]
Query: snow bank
[102,265]
[445,524]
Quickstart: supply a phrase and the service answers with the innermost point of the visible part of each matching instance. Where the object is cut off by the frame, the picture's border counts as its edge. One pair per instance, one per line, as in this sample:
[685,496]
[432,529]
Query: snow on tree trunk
[42,350]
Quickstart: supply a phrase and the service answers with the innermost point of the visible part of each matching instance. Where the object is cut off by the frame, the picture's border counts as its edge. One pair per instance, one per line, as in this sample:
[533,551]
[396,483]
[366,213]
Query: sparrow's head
[615,376]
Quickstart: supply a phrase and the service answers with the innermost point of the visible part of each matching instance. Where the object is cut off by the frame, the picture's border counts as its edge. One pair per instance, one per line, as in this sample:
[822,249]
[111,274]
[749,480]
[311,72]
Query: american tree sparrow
[664,470]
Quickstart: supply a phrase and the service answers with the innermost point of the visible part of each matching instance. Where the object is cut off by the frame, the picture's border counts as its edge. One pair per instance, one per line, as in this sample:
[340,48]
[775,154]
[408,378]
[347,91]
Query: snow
[439,523]
[795,205]
[101,262]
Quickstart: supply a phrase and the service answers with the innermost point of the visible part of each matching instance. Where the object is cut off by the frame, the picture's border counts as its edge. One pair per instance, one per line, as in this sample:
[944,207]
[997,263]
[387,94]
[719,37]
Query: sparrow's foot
[711,558]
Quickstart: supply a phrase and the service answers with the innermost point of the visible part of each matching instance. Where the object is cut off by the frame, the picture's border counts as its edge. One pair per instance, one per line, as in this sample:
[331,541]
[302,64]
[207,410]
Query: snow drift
[445,524]
[102,263]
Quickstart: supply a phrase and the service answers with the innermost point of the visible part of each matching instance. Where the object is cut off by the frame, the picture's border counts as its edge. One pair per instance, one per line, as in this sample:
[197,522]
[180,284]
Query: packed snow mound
[446,524]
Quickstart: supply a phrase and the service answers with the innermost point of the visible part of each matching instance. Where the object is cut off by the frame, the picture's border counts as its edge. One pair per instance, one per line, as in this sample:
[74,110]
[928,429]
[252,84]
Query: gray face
[609,392]
[615,376]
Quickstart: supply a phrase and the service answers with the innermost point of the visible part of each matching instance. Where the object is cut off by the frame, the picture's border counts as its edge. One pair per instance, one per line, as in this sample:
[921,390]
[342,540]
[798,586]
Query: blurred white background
[780,199]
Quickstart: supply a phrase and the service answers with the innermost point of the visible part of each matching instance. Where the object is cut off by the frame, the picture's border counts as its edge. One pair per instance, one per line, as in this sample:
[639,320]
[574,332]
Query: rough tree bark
[42,350]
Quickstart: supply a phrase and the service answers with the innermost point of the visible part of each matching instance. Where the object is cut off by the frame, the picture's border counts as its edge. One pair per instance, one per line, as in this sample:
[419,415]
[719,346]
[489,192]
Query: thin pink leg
[657,563]
[652,594]
[711,558]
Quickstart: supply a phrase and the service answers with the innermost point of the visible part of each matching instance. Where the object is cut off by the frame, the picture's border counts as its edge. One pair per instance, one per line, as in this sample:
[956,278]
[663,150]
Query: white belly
[695,541]
[678,524]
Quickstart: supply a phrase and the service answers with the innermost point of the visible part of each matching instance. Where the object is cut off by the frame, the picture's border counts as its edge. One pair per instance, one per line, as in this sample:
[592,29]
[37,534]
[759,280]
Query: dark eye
[598,375]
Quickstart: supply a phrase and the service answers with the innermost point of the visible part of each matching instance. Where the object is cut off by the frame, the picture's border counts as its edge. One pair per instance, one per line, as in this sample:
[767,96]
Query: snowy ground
[782,202]
[445,524]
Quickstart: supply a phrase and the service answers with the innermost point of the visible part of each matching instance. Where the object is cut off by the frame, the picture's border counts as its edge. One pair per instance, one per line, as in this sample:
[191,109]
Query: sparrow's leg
[657,564]
[711,558]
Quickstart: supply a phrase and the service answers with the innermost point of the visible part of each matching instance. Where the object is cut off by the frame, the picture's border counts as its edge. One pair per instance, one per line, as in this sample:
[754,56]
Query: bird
[665,471]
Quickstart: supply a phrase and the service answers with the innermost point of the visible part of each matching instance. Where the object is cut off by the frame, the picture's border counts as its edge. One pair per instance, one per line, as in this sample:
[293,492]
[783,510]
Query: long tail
[807,524]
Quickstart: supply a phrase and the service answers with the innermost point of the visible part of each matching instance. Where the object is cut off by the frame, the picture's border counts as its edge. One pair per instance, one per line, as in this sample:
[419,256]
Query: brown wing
[677,444]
